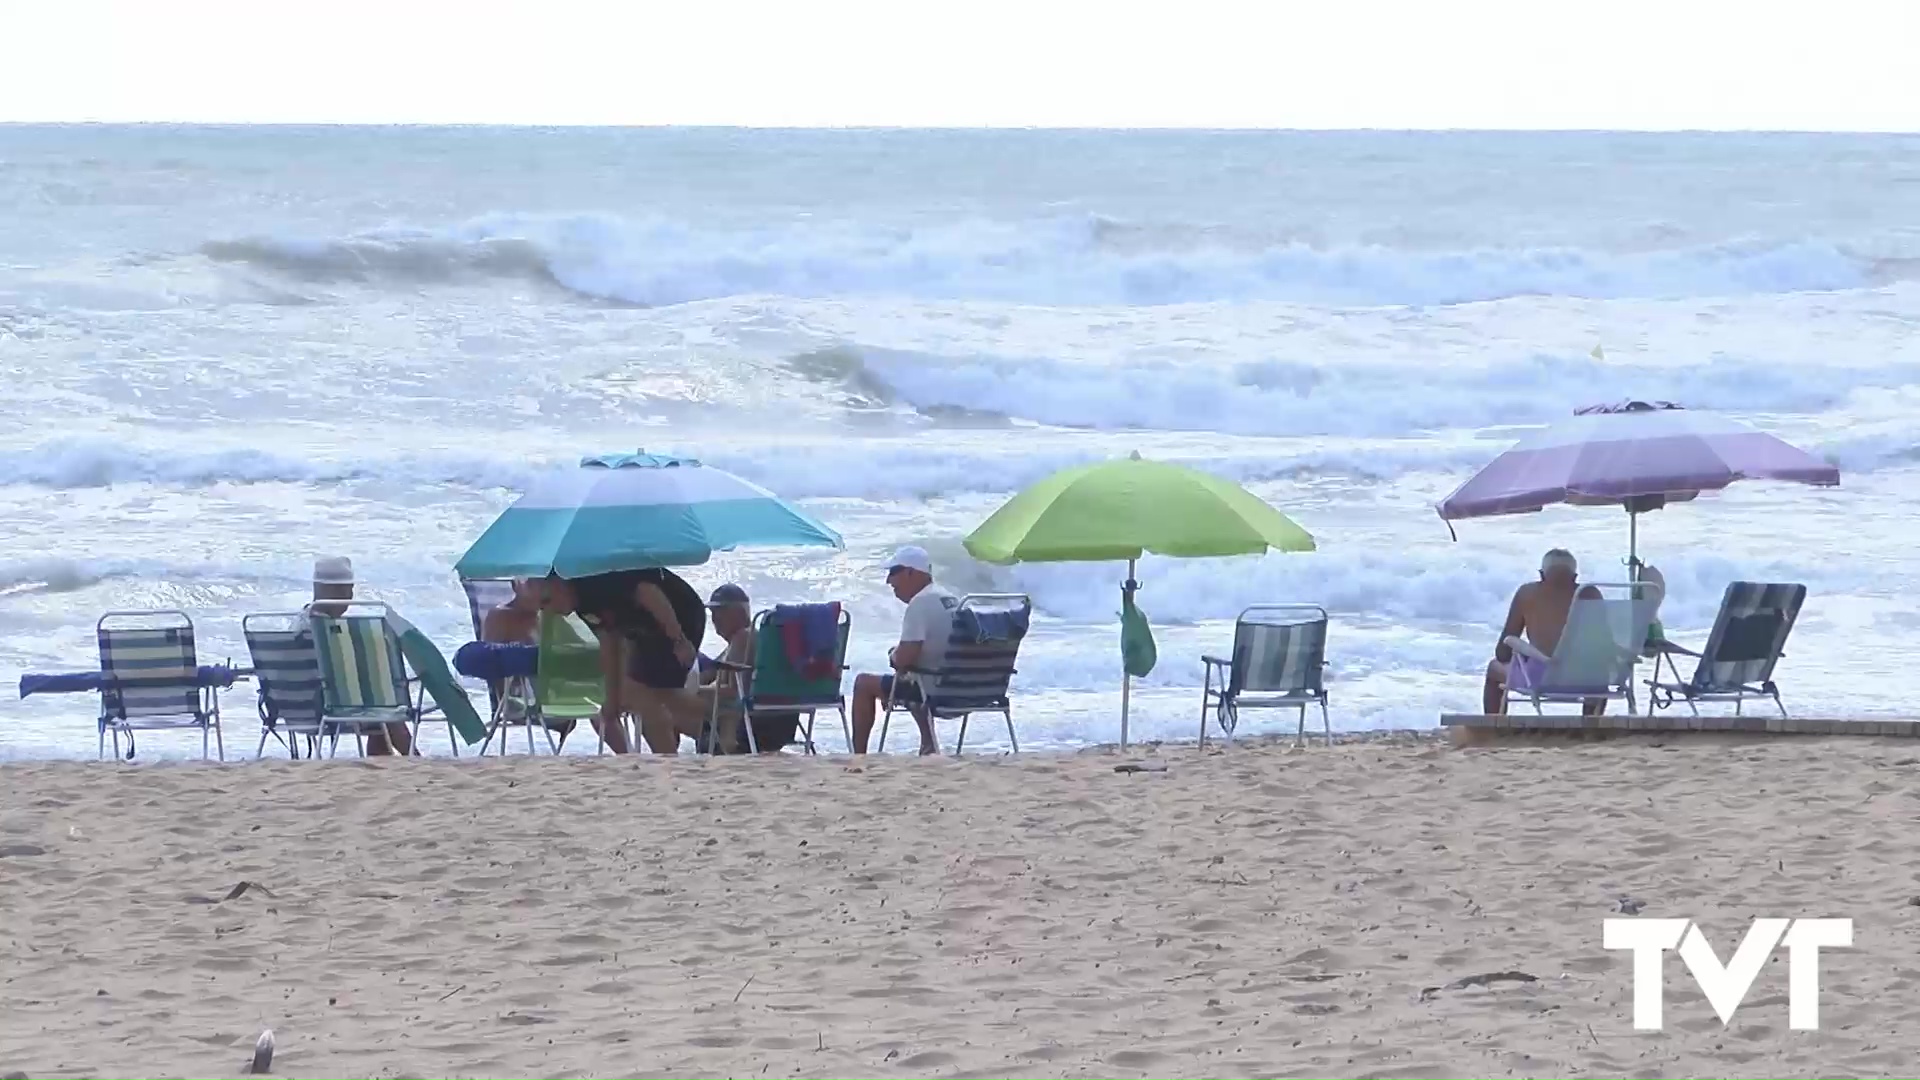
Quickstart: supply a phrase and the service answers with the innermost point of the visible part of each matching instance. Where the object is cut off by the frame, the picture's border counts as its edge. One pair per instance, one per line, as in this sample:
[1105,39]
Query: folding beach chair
[286,672]
[1594,660]
[774,688]
[565,689]
[1748,639]
[150,679]
[363,676]
[1279,661]
[974,676]
[482,597]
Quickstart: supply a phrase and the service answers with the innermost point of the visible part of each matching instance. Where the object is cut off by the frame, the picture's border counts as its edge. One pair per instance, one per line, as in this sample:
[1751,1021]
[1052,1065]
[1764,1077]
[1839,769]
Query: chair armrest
[1667,646]
[1525,648]
[1216,661]
[728,665]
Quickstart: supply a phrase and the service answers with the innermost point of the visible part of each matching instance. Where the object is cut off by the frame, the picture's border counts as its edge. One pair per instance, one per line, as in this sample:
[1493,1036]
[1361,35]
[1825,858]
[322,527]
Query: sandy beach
[1255,912]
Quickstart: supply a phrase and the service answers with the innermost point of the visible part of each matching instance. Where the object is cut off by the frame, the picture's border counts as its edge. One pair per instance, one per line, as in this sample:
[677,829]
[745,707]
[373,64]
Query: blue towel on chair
[811,634]
[219,676]
[985,626]
[492,660]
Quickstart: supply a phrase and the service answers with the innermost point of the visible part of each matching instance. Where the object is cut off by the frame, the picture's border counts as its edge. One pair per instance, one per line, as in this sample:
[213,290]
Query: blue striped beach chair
[286,672]
[363,676]
[1748,639]
[978,669]
[150,679]
[1279,661]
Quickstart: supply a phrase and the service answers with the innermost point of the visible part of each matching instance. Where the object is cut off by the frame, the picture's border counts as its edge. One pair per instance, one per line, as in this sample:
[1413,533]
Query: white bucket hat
[333,570]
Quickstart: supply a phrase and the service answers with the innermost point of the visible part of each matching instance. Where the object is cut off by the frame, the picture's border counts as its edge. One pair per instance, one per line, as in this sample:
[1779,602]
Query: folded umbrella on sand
[630,511]
[1636,455]
[1122,509]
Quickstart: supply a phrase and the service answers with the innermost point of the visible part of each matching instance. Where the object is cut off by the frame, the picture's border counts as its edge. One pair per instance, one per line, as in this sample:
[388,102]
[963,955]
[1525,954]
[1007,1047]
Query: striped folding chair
[1279,661]
[1748,639]
[286,671]
[150,679]
[773,689]
[363,676]
[483,596]
[978,668]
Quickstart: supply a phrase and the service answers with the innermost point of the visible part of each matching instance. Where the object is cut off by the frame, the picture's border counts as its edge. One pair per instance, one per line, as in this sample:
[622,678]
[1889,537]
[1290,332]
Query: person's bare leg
[388,740]
[929,743]
[401,738]
[1493,698]
[866,703]
[660,713]
[614,734]
[1593,706]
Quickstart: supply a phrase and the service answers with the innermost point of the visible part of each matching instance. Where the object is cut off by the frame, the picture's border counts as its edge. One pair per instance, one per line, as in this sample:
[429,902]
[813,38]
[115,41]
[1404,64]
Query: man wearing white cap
[923,645]
[1539,610]
[333,580]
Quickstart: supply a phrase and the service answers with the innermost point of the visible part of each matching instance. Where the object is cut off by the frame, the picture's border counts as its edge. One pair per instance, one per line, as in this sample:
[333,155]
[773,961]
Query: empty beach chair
[1594,660]
[1748,638]
[1279,661]
[363,676]
[286,672]
[565,689]
[978,669]
[775,686]
[150,679]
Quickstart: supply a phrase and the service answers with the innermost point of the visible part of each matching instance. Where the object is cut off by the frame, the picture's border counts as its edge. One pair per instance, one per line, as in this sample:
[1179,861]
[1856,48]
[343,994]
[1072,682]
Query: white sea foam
[1062,261]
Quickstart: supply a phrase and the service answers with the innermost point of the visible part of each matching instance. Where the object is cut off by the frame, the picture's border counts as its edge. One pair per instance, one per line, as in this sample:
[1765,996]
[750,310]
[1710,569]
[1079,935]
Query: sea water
[226,351]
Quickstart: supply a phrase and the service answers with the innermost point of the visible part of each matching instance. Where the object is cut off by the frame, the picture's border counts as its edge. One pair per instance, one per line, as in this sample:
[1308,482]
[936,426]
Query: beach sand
[1255,912]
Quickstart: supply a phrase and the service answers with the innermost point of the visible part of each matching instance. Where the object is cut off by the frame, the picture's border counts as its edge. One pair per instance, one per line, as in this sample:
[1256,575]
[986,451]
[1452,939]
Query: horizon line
[956,128]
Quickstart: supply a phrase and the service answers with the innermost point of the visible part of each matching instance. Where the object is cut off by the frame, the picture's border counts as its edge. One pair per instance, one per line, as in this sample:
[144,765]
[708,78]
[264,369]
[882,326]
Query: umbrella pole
[1633,546]
[1126,679]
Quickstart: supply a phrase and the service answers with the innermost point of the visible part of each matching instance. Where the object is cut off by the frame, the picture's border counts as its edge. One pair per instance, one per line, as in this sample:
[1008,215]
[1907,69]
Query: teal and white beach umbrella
[630,511]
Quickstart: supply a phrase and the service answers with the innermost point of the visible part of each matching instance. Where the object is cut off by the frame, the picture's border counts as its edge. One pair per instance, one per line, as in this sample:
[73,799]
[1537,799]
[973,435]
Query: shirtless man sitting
[1539,612]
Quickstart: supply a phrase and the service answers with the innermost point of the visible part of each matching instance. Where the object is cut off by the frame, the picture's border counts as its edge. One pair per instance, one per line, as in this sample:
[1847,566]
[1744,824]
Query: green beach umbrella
[1123,509]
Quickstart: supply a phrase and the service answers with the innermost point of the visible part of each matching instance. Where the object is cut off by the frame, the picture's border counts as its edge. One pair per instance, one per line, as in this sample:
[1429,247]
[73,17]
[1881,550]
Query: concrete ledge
[1669,724]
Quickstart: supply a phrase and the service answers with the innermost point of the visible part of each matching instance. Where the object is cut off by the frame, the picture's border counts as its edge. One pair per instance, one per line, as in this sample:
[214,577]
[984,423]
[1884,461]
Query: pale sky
[1831,65]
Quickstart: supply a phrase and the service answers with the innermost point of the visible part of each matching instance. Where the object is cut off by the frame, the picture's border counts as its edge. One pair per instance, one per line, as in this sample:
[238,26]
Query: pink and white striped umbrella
[1636,454]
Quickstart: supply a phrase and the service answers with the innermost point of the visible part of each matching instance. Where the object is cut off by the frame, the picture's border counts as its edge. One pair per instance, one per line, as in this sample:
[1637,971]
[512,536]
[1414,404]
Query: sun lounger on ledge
[1748,639]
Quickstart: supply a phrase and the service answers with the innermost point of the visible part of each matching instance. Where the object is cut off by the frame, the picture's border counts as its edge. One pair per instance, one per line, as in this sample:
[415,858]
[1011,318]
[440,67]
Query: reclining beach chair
[482,597]
[982,649]
[774,686]
[1748,639]
[363,676]
[1594,660]
[150,679]
[564,691]
[286,671]
[1279,661]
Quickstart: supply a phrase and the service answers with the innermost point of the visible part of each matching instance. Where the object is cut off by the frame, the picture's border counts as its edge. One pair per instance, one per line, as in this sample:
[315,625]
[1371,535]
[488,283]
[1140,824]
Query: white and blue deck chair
[1594,659]
[977,671]
[150,679]
[1748,639]
[286,672]
[1279,661]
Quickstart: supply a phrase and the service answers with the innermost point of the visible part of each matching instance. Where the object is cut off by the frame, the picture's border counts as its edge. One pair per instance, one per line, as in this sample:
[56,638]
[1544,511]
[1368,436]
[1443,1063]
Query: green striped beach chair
[565,690]
[773,688]
[1279,661]
[286,672]
[363,676]
[150,679]
[978,669]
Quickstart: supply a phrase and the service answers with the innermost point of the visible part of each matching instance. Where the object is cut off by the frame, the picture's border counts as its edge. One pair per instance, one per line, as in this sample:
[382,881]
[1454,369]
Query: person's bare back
[1542,607]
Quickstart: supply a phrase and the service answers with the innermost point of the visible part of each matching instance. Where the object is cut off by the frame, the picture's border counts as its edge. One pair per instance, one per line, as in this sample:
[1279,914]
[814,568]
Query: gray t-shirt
[929,620]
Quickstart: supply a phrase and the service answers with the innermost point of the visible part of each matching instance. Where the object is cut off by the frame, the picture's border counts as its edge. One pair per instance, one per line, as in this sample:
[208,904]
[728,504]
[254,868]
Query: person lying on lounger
[1539,612]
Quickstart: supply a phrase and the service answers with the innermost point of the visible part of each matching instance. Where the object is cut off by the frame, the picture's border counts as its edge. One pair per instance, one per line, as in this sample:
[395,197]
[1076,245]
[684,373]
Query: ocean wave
[871,470]
[1071,261]
[1285,396]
